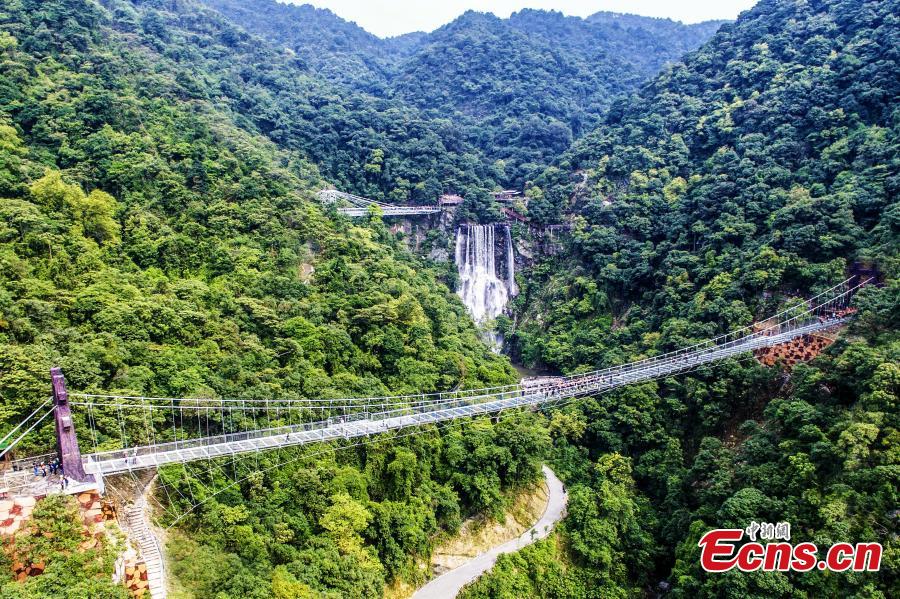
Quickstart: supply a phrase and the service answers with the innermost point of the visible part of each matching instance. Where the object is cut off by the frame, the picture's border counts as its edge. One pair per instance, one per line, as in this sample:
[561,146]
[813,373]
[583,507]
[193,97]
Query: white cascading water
[481,287]
[510,265]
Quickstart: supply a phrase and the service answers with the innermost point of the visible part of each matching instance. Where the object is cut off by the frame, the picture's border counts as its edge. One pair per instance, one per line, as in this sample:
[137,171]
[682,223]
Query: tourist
[37,472]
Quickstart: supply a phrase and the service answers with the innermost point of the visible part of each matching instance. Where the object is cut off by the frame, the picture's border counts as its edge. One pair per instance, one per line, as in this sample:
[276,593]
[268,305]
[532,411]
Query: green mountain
[763,168]
[521,89]
[677,36]
[361,143]
[323,42]
[160,236]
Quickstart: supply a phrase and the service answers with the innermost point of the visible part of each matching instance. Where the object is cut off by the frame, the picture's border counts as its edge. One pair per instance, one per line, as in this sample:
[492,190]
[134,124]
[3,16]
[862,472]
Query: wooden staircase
[140,532]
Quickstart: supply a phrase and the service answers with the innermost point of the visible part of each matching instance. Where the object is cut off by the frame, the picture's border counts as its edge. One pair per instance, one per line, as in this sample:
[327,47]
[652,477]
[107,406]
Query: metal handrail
[368,422]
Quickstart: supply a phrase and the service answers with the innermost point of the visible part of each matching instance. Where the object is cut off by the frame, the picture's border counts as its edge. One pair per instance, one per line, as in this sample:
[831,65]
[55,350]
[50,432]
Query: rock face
[14,513]
[415,230]
[439,255]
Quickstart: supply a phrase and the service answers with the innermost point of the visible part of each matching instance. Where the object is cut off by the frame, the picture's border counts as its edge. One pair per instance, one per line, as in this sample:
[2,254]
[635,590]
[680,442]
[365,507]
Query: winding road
[449,584]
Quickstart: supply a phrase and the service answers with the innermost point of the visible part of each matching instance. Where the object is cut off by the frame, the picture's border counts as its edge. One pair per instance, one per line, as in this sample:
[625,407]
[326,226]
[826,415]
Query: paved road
[448,584]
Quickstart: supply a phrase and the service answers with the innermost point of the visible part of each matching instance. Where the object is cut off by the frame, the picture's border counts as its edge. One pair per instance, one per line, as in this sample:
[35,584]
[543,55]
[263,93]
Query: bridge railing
[815,317]
[519,395]
[584,383]
[359,206]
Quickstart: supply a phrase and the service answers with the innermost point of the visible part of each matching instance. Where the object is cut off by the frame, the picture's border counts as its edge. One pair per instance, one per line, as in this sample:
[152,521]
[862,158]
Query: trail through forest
[449,584]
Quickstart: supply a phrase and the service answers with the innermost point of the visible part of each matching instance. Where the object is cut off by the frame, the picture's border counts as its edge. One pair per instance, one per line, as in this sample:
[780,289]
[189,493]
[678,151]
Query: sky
[387,18]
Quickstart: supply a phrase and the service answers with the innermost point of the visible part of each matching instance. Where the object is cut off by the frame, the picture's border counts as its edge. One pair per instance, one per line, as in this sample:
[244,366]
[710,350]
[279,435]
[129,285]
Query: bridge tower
[66,441]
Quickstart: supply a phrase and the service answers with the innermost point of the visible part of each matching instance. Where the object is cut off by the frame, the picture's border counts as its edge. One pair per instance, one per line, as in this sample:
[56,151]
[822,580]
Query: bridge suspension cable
[10,446]
[130,432]
[224,427]
[179,515]
[838,297]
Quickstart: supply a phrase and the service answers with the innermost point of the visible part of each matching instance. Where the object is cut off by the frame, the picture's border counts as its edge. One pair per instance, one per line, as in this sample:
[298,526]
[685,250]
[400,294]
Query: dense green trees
[343,523]
[517,91]
[52,537]
[760,169]
[144,242]
[156,242]
[160,237]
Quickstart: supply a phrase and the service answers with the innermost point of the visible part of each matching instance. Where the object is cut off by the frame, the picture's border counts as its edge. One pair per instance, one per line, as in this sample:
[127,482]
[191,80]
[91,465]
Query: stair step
[141,534]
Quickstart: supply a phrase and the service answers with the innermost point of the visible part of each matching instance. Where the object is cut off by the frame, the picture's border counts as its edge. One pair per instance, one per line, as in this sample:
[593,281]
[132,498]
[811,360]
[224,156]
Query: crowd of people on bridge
[54,466]
[51,468]
[838,314]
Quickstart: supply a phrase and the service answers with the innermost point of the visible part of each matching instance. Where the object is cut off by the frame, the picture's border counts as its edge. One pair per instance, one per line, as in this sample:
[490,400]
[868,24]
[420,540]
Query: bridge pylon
[66,440]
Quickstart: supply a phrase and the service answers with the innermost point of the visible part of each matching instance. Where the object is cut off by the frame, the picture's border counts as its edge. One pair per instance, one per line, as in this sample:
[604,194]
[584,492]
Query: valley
[340,296]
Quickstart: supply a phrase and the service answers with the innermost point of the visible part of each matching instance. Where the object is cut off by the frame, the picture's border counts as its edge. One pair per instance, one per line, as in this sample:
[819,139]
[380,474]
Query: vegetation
[52,538]
[153,245]
[160,236]
[341,524]
[762,168]
[518,90]
[156,242]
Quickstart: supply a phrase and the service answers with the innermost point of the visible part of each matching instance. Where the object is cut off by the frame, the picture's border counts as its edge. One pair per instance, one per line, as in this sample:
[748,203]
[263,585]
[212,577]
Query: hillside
[763,167]
[325,44]
[155,240]
[521,89]
[160,237]
[678,37]
[360,143]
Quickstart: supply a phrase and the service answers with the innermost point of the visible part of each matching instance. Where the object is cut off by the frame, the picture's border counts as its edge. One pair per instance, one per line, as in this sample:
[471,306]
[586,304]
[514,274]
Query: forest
[767,161]
[159,161]
[517,91]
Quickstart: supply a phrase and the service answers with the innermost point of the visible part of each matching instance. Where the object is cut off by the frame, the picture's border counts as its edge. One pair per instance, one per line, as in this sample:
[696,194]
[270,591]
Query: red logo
[720,552]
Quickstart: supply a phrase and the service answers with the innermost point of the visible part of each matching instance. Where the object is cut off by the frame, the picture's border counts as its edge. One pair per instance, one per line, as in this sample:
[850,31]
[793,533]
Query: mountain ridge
[483,72]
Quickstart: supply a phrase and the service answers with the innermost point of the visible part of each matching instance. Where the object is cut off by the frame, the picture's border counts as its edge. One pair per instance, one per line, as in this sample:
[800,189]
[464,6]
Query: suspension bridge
[148,432]
[356,206]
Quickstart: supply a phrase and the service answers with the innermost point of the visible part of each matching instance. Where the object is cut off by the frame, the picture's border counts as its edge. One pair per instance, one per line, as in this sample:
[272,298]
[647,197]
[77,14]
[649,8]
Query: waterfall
[510,265]
[481,287]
